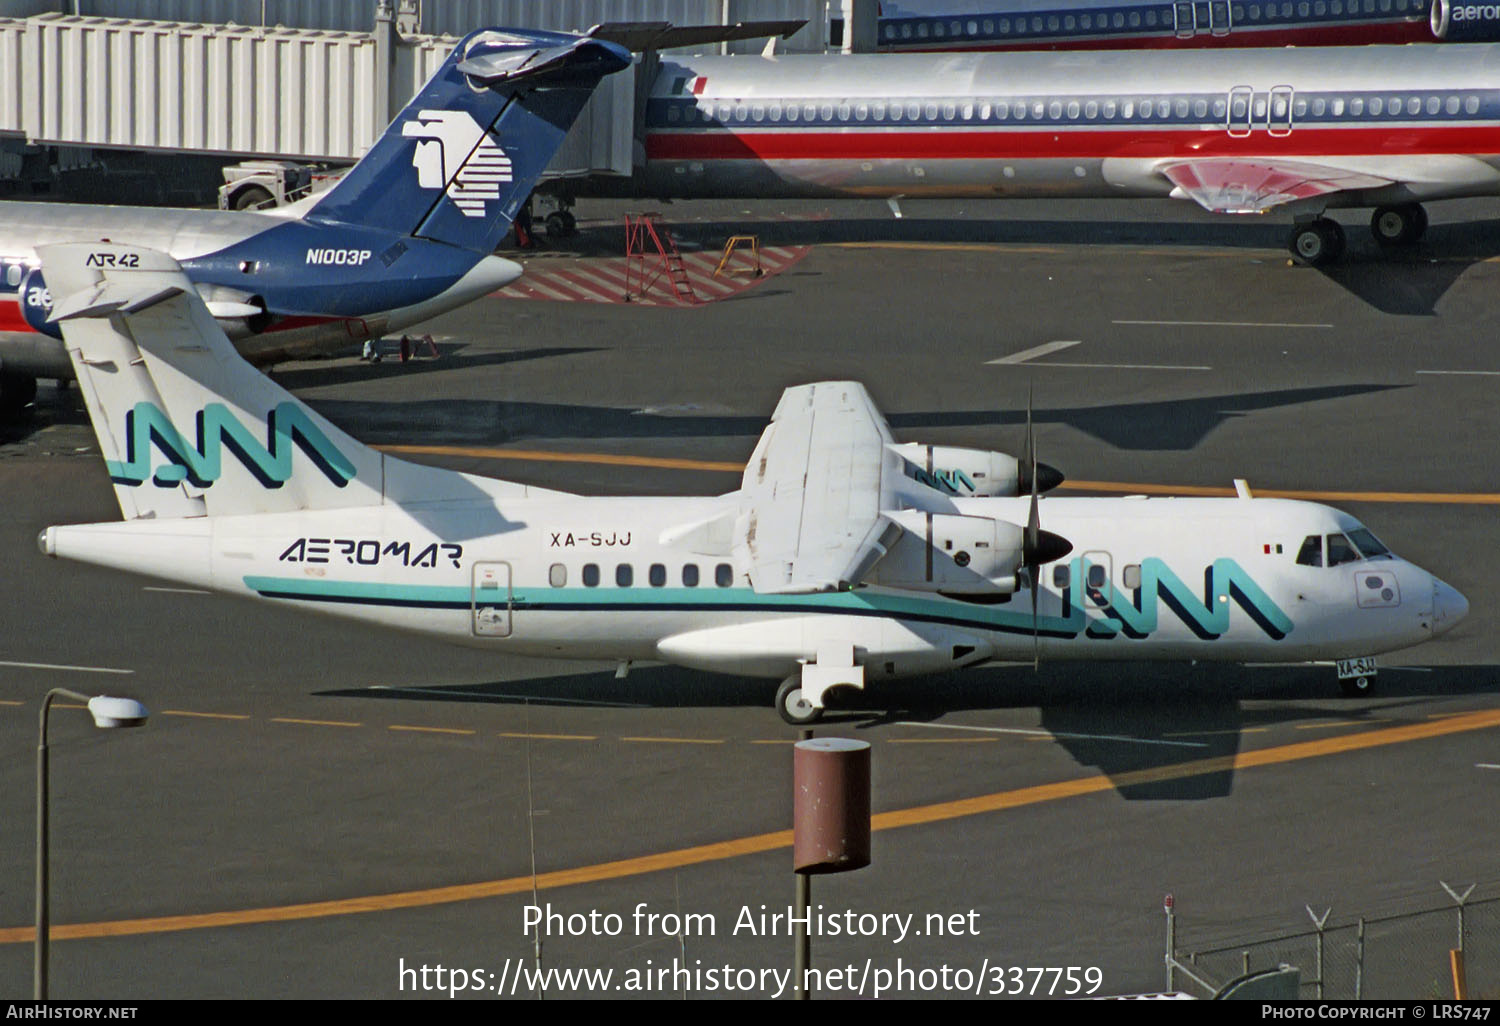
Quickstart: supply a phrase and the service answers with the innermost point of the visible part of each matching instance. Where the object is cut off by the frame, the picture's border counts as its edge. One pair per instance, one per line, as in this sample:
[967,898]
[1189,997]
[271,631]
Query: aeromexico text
[750,921]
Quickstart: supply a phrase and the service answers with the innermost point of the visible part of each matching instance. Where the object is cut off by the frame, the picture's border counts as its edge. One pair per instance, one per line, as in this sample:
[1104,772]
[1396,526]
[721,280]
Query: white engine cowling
[956,471]
[952,554]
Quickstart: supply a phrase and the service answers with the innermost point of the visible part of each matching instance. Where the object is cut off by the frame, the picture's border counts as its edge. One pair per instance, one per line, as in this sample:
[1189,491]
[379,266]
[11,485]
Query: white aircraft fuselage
[1215,579]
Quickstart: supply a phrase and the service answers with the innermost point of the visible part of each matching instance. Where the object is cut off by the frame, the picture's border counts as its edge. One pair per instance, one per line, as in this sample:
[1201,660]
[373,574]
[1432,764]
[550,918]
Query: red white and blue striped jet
[951,25]
[1298,130]
[407,234]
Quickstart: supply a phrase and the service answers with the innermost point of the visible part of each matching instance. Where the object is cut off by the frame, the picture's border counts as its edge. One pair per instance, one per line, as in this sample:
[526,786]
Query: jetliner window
[723,575]
[557,575]
[658,575]
[690,575]
[1311,553]
[625,575]
[591,575]
[1341,550]
[1368,544]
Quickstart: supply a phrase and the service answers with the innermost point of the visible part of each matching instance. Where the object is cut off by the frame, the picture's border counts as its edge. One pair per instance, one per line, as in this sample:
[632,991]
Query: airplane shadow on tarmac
[1406,282]
[1174,425]
[1156,730]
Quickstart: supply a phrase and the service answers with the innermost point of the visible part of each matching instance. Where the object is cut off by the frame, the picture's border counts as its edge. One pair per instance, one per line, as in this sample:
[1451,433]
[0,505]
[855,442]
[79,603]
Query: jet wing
[1251,186]
[812,493]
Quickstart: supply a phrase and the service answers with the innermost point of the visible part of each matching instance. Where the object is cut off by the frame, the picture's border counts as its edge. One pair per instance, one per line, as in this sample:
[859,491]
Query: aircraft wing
[812,493]
[1253,186]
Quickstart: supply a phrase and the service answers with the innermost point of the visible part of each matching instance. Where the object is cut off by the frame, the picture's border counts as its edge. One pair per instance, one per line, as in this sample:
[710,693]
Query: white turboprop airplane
[843,556]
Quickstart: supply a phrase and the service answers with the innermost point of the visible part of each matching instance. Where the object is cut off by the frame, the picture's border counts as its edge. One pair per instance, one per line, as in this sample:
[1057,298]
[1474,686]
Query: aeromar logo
[201,464]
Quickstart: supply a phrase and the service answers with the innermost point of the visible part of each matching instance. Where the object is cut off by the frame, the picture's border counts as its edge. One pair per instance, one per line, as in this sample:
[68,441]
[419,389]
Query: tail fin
[186,426]
[459,161]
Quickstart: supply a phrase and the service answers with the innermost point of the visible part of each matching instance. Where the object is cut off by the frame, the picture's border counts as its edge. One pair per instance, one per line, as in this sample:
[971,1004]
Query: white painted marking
[1036,351]
[1486,765]
[1223,324]
[479,696]
[1125,366]
[1488,374]
[55,666]
[1053,733]
[179,591]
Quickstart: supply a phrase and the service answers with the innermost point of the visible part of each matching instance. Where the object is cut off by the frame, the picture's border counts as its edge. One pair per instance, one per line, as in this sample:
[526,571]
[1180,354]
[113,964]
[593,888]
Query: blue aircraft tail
[461,159]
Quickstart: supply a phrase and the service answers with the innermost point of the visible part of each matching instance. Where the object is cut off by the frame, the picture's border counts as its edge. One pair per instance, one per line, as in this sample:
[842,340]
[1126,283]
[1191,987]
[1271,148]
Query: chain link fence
[1397,956]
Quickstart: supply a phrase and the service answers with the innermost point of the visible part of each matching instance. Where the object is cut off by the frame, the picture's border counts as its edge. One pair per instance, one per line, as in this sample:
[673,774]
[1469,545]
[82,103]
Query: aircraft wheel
[560,224]
[17,391]
[793,708]
[1357,687]
[253,197]
[1398,226]
[1316,243]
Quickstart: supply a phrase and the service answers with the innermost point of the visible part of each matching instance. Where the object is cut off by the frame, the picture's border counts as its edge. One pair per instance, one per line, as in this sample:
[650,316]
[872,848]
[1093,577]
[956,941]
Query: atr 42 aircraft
[843,557]
[1236,131]
[406,235]
[1169,24]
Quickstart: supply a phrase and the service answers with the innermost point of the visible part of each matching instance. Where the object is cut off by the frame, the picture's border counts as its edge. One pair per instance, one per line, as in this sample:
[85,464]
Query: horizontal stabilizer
[111,297]
[639,36]
[535,63]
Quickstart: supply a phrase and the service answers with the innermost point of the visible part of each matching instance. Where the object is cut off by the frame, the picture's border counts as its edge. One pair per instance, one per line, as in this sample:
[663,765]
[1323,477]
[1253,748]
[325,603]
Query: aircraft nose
[1448,607]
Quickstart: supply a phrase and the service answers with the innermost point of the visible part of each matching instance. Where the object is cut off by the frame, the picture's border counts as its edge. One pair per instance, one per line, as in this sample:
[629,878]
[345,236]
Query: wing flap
[1253,186]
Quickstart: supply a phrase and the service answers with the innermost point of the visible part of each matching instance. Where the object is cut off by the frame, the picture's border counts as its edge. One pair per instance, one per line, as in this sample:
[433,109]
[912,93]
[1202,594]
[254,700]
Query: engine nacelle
[1458,21]
[951,554]
[238,313]
[962,472]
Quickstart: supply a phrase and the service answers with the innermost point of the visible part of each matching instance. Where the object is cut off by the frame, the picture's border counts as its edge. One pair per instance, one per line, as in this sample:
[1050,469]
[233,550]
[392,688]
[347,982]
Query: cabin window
[989,27]
[1311,553]
[949,110]
[723,575]
[1357,106]
[1109,109]
[657,575]
[591,575]
[1070,23]
[1060,577]
[1471,105]
[1319,107]
[624,575]
[1150,19]
[690,575]
[1341,550]
[827,112]
[1135,19]
[973,28]
[1118,21]
[1320,8]
[1181,107]
[1131,576]
[1451,105]
[673,114]
[13,274]
[1086,22]
[557,575]
[843,112]
[1004,26]
[1098,576]
[1055,110]
[1052,23]
[1414,105]
[1073,110]
[932,112]
[913,111]
[861,112]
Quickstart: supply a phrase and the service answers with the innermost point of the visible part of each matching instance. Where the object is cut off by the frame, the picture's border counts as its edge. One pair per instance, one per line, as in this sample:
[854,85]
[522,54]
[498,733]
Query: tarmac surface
[315,807]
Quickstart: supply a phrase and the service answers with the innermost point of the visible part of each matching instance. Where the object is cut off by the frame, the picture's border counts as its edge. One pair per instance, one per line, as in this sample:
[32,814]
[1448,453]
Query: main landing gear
[793,705]
[1321,240]
[1398,226]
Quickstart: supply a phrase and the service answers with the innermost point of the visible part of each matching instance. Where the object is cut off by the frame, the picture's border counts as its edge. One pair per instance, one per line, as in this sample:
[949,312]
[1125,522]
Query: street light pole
[108,712]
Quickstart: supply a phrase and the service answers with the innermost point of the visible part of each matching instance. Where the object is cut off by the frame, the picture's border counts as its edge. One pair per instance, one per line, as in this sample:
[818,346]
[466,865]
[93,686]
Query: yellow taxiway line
[759,843]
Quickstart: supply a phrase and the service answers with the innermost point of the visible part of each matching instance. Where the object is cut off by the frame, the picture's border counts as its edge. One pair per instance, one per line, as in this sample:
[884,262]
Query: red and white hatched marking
[602,279]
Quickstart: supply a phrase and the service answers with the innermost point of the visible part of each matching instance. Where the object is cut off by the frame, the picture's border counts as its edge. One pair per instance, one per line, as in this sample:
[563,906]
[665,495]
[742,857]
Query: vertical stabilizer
[461,158]
[186,426]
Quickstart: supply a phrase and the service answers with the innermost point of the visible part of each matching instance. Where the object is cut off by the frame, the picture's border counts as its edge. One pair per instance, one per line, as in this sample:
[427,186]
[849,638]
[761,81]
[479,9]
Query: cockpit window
[1368,545]
[1311,553]
[1341,550]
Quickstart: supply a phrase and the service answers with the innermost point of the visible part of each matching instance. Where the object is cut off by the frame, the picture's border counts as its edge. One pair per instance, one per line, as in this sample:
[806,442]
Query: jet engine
[238,313]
